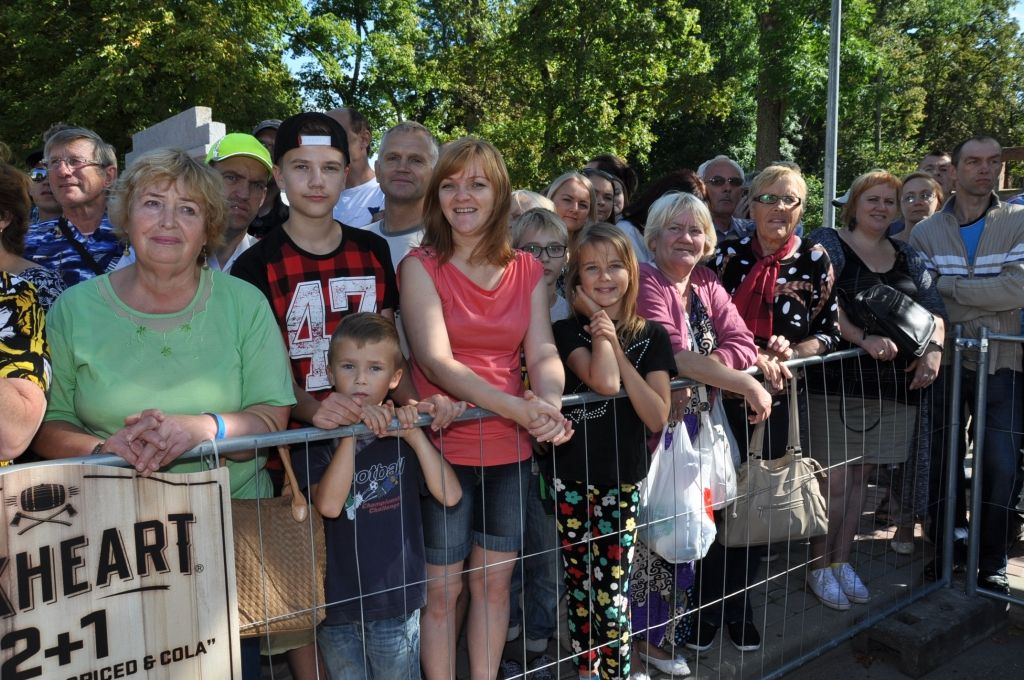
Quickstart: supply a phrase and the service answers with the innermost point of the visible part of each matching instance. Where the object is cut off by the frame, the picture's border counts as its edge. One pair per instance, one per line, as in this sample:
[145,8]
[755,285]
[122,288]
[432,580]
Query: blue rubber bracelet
[221,429]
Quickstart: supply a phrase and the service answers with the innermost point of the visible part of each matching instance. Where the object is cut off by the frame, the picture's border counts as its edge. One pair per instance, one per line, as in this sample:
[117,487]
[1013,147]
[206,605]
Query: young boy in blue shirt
[369,493]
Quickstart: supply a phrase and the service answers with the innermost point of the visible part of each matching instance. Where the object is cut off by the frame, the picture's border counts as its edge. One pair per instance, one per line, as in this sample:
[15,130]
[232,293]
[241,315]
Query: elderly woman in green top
[152,359]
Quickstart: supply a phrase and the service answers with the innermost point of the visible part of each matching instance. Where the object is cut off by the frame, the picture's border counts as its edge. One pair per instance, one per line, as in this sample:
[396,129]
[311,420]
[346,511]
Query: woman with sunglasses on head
[782,287]
[14,215]
[44,205]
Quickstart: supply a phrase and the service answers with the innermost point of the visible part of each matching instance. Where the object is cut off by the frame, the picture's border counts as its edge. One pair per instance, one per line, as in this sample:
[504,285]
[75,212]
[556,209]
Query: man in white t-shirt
[408,153]
[362,198]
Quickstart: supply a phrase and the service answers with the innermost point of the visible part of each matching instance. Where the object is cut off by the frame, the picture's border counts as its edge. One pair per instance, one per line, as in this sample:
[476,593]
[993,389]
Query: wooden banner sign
[104,574]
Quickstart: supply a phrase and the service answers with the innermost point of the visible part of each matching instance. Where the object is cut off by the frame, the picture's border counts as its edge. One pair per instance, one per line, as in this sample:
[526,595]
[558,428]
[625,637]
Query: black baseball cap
[290,135]
[268,124]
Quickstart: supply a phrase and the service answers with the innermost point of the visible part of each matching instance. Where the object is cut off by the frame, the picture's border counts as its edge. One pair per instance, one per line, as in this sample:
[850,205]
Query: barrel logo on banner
[105,574]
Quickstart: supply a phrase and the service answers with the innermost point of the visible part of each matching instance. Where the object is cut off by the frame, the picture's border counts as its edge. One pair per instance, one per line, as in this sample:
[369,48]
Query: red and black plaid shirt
[310,294]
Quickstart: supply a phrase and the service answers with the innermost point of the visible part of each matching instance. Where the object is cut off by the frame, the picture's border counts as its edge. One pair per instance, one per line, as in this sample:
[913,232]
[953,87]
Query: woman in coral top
[470,305]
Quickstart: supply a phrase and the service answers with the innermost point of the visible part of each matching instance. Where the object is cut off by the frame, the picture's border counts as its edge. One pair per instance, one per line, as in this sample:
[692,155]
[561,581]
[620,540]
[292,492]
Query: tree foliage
[667,84]
[550,83]
[915,75]
[117,66]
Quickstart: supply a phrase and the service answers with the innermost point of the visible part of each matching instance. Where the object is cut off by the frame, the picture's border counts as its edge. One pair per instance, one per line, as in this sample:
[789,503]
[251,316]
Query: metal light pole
[832,112]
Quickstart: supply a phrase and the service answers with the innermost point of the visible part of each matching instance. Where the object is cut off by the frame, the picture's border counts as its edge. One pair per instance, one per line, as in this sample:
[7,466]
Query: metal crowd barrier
[794,626]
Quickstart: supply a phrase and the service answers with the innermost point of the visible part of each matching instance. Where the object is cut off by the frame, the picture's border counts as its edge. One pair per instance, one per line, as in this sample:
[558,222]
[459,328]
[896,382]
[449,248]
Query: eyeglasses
[554,252]
[718,181]
[37,175]
[772,199]
[924,197]
[73,162]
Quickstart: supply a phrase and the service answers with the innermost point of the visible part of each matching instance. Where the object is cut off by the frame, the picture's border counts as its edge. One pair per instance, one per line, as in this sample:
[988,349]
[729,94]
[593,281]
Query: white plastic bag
[675,518]
[717,470]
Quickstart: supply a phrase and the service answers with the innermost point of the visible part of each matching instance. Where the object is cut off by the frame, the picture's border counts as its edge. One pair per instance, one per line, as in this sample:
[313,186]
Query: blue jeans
[250,652]
[540,568]
[1000,476]
[1000,472]
[388,649]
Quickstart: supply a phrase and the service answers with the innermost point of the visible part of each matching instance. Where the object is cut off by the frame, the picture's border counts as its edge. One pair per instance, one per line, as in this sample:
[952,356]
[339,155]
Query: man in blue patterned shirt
[81,243]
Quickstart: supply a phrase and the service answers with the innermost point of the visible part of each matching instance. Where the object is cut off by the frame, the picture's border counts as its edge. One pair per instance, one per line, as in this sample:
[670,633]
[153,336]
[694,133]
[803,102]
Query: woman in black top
[868,414]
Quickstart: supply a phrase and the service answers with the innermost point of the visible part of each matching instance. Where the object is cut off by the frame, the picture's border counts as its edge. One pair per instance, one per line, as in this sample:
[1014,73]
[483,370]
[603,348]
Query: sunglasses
[718,181]
[772,199]
[37,175]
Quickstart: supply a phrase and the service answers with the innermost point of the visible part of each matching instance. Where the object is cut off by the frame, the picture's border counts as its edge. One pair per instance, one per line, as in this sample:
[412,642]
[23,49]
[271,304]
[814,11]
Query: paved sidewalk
[793,623]
[1000,657]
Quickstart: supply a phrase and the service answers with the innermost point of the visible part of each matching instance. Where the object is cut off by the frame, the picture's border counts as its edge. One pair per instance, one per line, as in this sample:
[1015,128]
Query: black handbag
[886,311]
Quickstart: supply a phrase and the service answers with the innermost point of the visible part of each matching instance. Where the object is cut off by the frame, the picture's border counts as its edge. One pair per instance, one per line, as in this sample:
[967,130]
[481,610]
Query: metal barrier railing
[786,598]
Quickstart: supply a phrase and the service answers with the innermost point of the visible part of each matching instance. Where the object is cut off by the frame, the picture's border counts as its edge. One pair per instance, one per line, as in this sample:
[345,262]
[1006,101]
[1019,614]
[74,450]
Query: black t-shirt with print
[610,444]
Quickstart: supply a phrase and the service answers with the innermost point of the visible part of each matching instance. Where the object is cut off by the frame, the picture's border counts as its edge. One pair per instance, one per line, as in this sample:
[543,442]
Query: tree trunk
[769,104]
[879,95]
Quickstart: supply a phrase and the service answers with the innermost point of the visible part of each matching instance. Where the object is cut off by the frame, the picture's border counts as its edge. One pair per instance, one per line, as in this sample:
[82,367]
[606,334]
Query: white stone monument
[193,130]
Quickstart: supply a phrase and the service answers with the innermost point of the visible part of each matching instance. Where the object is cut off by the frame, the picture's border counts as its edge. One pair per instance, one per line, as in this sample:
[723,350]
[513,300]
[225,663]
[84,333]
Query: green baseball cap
[239,144]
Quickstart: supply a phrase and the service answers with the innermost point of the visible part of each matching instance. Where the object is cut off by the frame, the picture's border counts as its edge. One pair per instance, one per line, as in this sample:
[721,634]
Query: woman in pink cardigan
[712,345]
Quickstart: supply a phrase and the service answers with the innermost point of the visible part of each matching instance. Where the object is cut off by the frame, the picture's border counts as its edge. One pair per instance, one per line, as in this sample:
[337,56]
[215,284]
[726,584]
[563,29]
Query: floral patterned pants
[597,532]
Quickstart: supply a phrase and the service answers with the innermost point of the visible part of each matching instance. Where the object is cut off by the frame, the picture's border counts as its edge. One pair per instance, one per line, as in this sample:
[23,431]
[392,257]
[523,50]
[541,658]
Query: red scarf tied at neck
[756,295]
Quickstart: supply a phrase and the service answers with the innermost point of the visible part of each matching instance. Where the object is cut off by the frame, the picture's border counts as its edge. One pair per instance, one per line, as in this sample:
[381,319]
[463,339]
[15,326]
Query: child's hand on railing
[337,410]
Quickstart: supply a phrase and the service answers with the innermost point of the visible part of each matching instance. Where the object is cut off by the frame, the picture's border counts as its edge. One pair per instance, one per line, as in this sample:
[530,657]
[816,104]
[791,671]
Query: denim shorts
[388,649]
[489,514]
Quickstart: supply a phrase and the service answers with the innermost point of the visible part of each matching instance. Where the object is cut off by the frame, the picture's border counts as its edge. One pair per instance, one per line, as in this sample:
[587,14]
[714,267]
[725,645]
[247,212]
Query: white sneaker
[536,646]
[851,584]
[675,667]
[826,588]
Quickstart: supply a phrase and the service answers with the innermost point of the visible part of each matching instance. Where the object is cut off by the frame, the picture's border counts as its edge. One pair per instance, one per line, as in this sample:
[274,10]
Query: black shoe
[702,635]
[744,636]
[959,555]
[994,581]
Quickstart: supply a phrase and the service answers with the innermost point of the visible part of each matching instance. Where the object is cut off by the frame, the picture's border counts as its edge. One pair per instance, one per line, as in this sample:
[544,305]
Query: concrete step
[932,631]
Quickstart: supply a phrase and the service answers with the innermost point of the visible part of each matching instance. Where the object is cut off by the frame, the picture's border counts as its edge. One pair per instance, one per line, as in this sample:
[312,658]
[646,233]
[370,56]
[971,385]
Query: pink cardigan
[659,301]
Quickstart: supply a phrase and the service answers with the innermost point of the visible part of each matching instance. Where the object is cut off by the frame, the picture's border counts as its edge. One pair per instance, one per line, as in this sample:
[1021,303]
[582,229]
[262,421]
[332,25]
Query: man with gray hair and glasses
[81,243]
[723,181]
